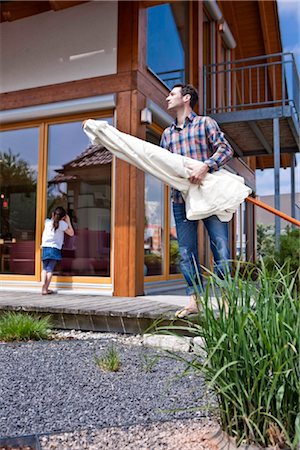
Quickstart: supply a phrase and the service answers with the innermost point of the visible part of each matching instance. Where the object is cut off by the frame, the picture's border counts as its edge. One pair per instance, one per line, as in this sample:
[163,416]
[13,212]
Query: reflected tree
[15,171]
[18,191]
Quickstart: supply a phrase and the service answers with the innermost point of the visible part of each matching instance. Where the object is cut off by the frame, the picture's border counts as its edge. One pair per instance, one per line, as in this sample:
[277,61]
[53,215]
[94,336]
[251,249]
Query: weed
[110,362]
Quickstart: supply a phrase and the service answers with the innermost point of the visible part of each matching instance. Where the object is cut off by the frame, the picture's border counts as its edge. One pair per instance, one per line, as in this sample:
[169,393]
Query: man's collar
[188,118]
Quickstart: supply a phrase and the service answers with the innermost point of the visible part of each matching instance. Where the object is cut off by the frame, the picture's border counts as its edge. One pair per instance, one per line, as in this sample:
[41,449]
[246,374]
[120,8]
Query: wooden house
[66,61]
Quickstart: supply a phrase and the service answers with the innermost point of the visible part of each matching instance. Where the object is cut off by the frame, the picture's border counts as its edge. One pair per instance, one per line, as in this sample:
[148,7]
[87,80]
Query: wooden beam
[68,91]
[198,53]
[16,10]
[260,136]
[132,22]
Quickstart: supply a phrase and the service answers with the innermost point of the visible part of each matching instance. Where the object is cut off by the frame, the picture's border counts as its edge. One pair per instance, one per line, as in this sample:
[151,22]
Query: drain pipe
[213,10]
[216,14]
[227,35]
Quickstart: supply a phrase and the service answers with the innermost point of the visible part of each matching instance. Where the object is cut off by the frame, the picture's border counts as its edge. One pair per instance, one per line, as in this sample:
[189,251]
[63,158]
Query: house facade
[64,62]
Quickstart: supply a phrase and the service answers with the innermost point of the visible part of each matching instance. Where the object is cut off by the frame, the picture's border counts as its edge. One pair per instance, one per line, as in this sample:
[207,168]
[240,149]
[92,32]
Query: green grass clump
[149,362]
[15,326]
[252,343]
[110,362]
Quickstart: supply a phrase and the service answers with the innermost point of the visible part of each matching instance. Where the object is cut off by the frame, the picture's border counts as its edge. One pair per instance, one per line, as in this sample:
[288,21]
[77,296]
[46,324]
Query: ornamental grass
[15,326]
[251,336]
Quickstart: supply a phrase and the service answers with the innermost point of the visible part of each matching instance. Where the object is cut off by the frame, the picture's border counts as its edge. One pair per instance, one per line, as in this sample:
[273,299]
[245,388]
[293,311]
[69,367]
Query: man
[200,138]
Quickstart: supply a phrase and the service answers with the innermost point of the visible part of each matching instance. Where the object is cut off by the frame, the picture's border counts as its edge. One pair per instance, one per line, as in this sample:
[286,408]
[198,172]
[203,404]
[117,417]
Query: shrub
[110,362]
[289,252]
[16,326]
[252,348]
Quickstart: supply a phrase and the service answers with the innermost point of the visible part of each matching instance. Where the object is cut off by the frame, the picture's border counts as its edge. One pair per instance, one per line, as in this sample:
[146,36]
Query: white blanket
[220,194]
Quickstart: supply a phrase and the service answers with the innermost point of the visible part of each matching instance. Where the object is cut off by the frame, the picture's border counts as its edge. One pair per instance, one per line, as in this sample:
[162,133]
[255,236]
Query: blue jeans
[49,264]
[187,235]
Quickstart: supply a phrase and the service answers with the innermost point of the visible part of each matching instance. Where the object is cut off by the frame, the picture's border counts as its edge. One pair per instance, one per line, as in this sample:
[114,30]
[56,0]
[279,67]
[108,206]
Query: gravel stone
[179,435]
[55,386]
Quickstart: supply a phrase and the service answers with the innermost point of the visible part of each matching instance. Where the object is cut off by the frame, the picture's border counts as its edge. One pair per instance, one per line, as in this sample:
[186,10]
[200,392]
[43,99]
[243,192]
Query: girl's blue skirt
[51,253]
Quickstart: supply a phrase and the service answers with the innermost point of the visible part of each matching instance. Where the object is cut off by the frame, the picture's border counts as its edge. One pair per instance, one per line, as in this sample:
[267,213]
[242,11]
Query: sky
[289,18]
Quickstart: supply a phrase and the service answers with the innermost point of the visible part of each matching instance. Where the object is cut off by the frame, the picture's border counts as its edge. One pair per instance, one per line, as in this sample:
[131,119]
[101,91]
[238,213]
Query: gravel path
[55,386]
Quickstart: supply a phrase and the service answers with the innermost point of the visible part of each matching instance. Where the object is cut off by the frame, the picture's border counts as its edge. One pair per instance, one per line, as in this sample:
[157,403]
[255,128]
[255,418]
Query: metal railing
[261,81]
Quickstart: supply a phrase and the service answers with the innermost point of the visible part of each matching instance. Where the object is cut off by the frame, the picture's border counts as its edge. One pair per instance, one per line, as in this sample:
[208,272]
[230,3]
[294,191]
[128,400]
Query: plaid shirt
[200,138]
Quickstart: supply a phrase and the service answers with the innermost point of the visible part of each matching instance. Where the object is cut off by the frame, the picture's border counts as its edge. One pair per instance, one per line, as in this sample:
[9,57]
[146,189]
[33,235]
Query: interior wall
[59,46]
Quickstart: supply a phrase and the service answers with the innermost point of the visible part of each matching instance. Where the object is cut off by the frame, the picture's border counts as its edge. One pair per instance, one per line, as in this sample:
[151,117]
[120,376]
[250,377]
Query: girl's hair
[58,214]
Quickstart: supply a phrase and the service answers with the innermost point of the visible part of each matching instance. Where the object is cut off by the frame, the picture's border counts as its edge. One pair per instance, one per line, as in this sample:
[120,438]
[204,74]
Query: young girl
[52,242]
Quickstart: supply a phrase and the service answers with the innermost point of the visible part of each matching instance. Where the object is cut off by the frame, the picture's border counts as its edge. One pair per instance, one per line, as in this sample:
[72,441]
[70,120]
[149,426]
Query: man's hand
[83,123]
[198,174]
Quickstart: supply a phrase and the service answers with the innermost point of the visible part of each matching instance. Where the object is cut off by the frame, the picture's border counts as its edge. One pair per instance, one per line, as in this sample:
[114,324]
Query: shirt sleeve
[220,148]
[63,225]
[163,140]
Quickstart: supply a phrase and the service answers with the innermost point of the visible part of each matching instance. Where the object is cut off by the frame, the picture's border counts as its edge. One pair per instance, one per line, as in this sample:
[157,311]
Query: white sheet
[220,194]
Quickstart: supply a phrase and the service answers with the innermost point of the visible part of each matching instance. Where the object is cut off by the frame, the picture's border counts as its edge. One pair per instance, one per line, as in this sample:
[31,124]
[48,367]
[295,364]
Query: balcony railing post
[293,196]
[276,140]
[282,81]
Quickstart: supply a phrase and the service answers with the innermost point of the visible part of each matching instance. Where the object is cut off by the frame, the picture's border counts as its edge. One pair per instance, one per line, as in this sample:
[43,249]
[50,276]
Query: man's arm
[163,140]
[221,149]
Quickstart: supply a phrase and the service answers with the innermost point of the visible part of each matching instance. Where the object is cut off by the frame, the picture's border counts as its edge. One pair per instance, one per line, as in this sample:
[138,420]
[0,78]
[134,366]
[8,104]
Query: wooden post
[128,273]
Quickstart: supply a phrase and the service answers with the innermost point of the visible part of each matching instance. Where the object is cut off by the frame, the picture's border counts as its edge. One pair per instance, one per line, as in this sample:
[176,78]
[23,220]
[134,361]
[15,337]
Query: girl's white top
[51,237]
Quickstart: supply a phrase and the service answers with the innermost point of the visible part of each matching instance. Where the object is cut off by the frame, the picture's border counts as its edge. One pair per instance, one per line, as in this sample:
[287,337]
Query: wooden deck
[90,313]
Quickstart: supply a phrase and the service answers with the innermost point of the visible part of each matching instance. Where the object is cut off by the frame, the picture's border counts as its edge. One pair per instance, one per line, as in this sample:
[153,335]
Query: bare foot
[184,312]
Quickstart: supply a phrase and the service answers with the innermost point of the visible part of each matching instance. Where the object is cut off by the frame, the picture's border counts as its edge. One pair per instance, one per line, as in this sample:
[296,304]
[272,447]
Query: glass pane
[79,179]
[167,41]
[241,233]
[154,221]
[18,184]
[174,249]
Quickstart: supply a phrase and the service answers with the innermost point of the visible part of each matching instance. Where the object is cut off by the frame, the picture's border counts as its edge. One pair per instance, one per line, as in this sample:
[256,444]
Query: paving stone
[198,343]
[165,342]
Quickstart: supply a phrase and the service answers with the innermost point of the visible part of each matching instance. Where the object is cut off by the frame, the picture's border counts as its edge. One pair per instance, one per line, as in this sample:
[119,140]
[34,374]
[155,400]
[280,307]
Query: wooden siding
[16,10]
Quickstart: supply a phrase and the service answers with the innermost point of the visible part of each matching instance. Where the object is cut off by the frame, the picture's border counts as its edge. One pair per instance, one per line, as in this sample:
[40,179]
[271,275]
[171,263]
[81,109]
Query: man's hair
[189,89]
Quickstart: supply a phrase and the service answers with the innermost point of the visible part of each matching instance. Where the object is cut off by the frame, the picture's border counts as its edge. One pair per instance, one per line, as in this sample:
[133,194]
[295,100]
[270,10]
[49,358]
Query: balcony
[256,101]
[247,97]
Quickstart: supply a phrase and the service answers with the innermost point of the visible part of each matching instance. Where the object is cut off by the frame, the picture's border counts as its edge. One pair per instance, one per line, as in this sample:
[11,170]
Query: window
[154,226]
[79,179]
[18,189]
[167,42]
[160,239]
[154,220]
[174,255]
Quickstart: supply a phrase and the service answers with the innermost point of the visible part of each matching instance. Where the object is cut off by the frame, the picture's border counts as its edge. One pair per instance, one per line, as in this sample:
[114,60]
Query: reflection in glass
[241,233]
[174,248]
[154,222]
[79,179]
[18,183]
[167,41]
